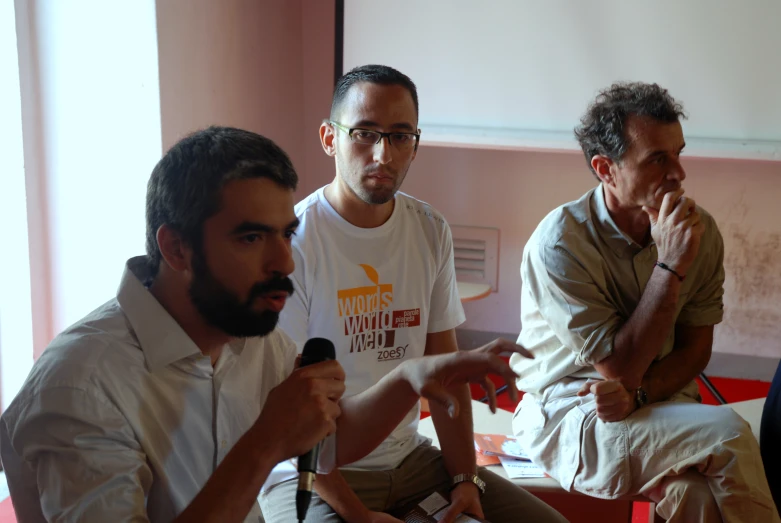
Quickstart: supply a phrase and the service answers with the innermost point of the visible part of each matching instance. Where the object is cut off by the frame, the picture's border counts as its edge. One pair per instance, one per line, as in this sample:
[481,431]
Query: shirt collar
[162,339]
[620,243]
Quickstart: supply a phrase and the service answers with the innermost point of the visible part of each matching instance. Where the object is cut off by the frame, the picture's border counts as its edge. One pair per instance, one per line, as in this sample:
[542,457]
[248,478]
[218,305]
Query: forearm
[231,491]
[456,437]
[640,339]
[369,417]
[673,372]
[335,491]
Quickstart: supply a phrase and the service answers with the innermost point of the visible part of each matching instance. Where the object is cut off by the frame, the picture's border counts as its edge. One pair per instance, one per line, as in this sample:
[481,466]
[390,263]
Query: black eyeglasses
[369,137]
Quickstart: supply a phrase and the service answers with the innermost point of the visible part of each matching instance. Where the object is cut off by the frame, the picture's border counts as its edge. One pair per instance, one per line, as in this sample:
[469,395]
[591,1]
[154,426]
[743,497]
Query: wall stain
[752,298]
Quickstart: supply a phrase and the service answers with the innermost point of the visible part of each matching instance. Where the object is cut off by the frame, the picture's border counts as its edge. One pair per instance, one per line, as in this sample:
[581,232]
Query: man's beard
[224,310]
[355,183]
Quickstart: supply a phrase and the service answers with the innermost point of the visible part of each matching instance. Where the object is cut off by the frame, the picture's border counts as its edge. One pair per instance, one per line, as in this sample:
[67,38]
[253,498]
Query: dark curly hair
[601,130]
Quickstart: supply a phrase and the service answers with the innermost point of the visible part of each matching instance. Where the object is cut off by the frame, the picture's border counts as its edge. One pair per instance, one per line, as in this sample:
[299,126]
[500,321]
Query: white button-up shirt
[124,419]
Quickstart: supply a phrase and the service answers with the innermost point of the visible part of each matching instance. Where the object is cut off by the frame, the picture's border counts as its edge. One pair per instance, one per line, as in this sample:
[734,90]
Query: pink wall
[232,62]
[318,65]
[266,66]
[515,190]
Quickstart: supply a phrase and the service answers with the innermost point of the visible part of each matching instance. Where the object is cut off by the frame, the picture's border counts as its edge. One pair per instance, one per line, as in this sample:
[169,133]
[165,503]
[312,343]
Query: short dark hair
[185,188]
[602,128]
[374,74]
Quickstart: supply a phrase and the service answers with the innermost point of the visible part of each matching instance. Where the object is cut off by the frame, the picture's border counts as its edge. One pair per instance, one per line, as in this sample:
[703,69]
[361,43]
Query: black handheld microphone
[315,351]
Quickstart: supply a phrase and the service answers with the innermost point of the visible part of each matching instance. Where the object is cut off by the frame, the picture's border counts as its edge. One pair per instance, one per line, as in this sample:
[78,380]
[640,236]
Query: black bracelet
[668,268]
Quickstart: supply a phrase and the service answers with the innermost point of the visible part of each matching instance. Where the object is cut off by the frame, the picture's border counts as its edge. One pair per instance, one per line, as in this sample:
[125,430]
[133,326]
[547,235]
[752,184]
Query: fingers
[613,401]
[500,367]
[470,366]
[693,219]
[452,512]
[668,203]
[435,392]
[325,379]
[323,370]
[683,209]
[332,412]
[610,412]
[331,389]
[653,215]
[490,390]
[586,388]
[325,413]
[501,345]
[605,387]
[474,366]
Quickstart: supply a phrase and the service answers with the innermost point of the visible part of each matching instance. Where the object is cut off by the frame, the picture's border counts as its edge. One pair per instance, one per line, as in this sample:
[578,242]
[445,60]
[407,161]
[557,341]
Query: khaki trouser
[420,474]
[699,463]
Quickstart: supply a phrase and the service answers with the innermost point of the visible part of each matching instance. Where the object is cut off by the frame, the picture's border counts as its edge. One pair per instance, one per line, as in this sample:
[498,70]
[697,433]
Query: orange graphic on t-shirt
[368,320]
[361,300]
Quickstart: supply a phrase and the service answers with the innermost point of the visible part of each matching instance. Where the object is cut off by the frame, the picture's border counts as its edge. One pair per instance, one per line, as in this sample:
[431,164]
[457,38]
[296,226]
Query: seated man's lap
[669,437]
[633,455]
[420,474]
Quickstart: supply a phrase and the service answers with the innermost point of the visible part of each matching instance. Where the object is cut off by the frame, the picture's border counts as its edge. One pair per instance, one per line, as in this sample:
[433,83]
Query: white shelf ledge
[561,141]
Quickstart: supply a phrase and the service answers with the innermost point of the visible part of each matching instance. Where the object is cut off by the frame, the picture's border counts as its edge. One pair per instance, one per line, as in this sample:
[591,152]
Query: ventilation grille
[476,252]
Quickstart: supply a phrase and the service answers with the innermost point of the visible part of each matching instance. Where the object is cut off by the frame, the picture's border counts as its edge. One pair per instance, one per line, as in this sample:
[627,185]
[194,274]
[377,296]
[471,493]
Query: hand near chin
[677,229]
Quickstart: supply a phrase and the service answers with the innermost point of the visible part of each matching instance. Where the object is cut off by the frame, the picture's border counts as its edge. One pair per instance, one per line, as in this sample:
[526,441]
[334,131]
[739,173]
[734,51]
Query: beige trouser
[420,474]
[699,463]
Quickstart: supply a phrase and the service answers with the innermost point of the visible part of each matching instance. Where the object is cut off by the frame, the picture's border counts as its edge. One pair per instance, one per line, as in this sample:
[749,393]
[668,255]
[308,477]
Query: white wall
[16,328]
[92,135]
[530,64]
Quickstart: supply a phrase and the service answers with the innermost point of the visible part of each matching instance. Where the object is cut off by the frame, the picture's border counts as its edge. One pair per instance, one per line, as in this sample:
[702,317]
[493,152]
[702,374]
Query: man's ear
[603,168]
[327,136]
[175,252]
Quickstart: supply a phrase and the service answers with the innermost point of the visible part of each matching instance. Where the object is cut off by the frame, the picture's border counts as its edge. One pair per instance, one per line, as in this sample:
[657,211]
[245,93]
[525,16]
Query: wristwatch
[471,478]
[641,397]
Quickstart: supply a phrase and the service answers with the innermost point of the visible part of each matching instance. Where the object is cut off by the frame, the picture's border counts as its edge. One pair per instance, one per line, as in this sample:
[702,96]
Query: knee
[691,486]
[730,425]
[689,490]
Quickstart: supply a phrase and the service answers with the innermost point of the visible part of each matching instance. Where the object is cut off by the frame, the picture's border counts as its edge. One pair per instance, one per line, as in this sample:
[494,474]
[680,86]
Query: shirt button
[224,443]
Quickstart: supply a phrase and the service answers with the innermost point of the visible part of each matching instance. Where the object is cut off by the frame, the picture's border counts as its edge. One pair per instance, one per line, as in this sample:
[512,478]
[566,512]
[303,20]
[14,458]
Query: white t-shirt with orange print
[376,294]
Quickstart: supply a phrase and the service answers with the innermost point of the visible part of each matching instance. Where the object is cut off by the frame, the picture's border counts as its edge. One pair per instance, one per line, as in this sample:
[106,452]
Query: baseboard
[721,364]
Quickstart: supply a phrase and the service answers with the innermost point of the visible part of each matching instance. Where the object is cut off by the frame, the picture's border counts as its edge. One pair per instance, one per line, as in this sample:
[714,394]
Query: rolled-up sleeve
[706,305]
[572,304]
[86,461]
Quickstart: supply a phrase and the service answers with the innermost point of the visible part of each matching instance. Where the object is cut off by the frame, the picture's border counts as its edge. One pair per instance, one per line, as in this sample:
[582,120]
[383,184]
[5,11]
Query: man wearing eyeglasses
[375,274]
